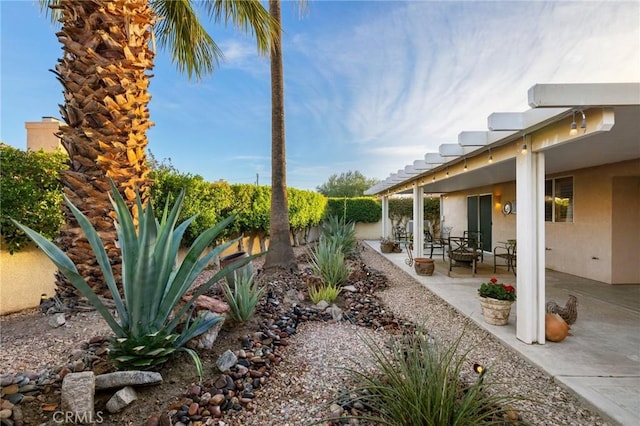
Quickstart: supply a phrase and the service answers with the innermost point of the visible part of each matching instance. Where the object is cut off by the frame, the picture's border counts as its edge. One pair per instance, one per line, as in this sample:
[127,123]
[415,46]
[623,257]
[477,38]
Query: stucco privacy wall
[24,276]
[27,274]
[602,241]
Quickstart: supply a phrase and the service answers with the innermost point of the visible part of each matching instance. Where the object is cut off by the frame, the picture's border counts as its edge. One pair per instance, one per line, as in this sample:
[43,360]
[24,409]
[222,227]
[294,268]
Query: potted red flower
[496,300]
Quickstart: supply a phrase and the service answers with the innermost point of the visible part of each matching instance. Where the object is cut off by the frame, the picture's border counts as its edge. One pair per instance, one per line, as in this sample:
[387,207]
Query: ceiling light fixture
[465,165]
[490,157]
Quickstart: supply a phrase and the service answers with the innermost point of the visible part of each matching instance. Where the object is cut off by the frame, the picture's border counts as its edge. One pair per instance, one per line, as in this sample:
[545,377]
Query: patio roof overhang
[612,112]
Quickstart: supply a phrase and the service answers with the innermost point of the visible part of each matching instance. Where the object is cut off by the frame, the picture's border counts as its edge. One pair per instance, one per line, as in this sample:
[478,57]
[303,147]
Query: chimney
[42,134]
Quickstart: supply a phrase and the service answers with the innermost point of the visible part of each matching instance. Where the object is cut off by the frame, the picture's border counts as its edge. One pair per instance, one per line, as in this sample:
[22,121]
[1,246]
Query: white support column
[541,246]
[530,236]
[385,216]
[418,220]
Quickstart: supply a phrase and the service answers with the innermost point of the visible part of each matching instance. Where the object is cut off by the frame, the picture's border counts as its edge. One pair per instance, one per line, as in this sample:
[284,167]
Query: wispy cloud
[413,75]
[369,85]
[242,54]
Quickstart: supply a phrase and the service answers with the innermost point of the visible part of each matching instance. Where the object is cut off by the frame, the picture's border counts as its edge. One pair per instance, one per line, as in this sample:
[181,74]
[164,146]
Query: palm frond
[180,31]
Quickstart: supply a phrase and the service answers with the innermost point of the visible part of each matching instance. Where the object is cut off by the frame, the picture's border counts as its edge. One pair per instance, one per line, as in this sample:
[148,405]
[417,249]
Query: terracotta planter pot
[233,258]
[424,265]
[494,311]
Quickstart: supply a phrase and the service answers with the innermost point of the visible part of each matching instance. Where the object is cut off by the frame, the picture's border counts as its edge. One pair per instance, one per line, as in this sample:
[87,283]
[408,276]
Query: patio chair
[508,252]
[431,243]
[463,252]
[476,237]
[400,234]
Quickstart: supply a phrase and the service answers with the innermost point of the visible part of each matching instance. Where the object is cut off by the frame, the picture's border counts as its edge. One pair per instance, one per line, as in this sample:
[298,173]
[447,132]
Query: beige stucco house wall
[602,241]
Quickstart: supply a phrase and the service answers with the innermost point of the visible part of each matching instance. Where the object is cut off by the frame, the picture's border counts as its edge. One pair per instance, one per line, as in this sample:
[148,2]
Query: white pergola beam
[395,178]
[577,95]
[433,158]
[453,150]
[515,121]
[411,171]
[421,165]
[481,138]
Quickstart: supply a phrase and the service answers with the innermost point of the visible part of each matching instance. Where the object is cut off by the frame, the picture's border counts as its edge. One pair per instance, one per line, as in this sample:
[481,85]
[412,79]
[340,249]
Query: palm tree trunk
[103,72]
[280,253]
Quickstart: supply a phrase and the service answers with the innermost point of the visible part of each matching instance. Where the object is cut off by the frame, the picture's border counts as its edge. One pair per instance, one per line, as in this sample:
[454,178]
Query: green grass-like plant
[341,232]
[327,262]
[245,296]
[418,382]
[154,281]
[329,293]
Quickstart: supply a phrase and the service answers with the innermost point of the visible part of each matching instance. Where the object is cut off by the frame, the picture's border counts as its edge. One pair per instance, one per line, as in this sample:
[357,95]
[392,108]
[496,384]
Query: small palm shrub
[343,233]
[327,262]
[154,281]
[418,382]
[328,293]
[244,297]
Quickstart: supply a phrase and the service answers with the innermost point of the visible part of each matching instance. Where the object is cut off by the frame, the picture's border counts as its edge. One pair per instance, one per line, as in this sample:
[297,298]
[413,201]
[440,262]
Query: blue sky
[369,85]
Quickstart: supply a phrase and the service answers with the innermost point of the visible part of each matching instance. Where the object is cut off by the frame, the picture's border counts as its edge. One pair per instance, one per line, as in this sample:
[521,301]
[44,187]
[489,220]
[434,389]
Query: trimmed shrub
[31,193]
[357,209]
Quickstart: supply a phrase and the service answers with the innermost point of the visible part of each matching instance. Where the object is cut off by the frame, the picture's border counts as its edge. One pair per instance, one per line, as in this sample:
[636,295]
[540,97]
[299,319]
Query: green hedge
[401,210]
[31,193]
[356,209]
[214,201]
[211,202]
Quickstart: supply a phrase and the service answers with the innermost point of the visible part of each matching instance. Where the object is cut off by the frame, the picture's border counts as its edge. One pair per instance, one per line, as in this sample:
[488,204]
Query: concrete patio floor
[599,362]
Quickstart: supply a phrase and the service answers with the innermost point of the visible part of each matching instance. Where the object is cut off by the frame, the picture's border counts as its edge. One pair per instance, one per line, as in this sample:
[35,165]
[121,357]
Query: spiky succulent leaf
[203,322]
[154,282]
[245,296]
[196,360]
[69,270]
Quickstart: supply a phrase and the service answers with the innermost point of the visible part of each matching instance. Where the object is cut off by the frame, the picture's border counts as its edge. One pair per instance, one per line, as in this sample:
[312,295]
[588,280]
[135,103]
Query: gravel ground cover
[300,389]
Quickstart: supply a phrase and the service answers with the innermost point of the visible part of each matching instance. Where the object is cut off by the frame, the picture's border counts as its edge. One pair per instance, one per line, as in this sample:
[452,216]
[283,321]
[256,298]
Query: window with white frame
[558,199]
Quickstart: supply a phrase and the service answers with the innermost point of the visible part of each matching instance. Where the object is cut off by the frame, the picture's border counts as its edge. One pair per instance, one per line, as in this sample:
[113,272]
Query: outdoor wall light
[573,130]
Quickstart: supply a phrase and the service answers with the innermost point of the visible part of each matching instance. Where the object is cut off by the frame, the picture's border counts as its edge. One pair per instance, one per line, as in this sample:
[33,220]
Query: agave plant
[328,293]
[244,296]
[342,232]
[149,326]
[327,262]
